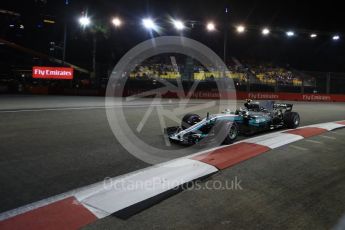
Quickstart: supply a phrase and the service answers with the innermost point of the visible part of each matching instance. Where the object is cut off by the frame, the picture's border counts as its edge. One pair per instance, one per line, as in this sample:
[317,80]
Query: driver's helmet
[248,102]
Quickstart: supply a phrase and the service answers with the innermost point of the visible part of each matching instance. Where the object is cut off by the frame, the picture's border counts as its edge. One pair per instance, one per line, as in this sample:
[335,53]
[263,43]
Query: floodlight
[290,33]
[240,29]
[84,21]
[266,31]
[148,23]
[116,22]
[178,24]
[313,35]
[336,37]
[210,26]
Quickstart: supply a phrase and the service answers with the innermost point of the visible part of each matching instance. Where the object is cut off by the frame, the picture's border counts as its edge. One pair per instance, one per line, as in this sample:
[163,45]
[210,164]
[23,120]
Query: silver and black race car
[254,117]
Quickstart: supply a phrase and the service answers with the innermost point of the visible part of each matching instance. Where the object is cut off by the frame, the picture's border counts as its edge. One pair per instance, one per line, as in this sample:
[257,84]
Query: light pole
[85,21]
[226,25]
[64,43]
[94,47]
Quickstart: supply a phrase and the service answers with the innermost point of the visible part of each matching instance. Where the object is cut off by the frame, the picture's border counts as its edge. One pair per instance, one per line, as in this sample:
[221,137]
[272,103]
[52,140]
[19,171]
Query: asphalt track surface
[52,144]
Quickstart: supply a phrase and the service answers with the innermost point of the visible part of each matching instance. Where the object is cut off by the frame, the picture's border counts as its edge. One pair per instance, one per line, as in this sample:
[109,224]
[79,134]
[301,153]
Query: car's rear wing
[288,107]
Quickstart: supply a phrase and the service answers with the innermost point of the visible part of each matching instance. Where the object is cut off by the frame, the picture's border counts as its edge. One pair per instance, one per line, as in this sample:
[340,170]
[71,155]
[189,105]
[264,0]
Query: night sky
[301,52]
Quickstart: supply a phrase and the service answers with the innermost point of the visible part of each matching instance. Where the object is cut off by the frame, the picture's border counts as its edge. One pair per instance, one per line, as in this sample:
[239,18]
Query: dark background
[300,52]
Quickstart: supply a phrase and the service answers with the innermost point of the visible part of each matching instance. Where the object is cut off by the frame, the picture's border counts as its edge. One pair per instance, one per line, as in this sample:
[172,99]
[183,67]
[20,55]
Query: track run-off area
[54,144]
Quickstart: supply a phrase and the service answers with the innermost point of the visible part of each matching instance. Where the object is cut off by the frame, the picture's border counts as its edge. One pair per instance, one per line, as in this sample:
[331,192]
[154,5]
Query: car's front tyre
[231,134]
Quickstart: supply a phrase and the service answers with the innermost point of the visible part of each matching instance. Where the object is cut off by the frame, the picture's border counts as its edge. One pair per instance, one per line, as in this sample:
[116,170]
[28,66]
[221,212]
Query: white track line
[86,108]
[328,137]
[314,142]
[298,147]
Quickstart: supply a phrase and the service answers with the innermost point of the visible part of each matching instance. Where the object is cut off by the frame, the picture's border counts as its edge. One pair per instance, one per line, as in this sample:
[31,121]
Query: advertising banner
[44,72]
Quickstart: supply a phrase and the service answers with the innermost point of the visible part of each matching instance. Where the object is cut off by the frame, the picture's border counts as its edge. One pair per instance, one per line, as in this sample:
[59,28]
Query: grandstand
[260,74]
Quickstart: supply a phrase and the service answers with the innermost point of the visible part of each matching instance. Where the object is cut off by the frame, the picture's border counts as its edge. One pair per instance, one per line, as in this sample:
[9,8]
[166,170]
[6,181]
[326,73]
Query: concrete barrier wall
[205,94]
[255,96]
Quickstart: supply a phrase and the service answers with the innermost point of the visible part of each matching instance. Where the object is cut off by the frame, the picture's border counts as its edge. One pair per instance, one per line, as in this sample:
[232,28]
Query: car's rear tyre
[189,120]
[291,120]
[231,134]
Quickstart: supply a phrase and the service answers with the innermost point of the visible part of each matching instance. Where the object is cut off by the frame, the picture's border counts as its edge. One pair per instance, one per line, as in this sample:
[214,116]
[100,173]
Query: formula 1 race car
[253,118]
